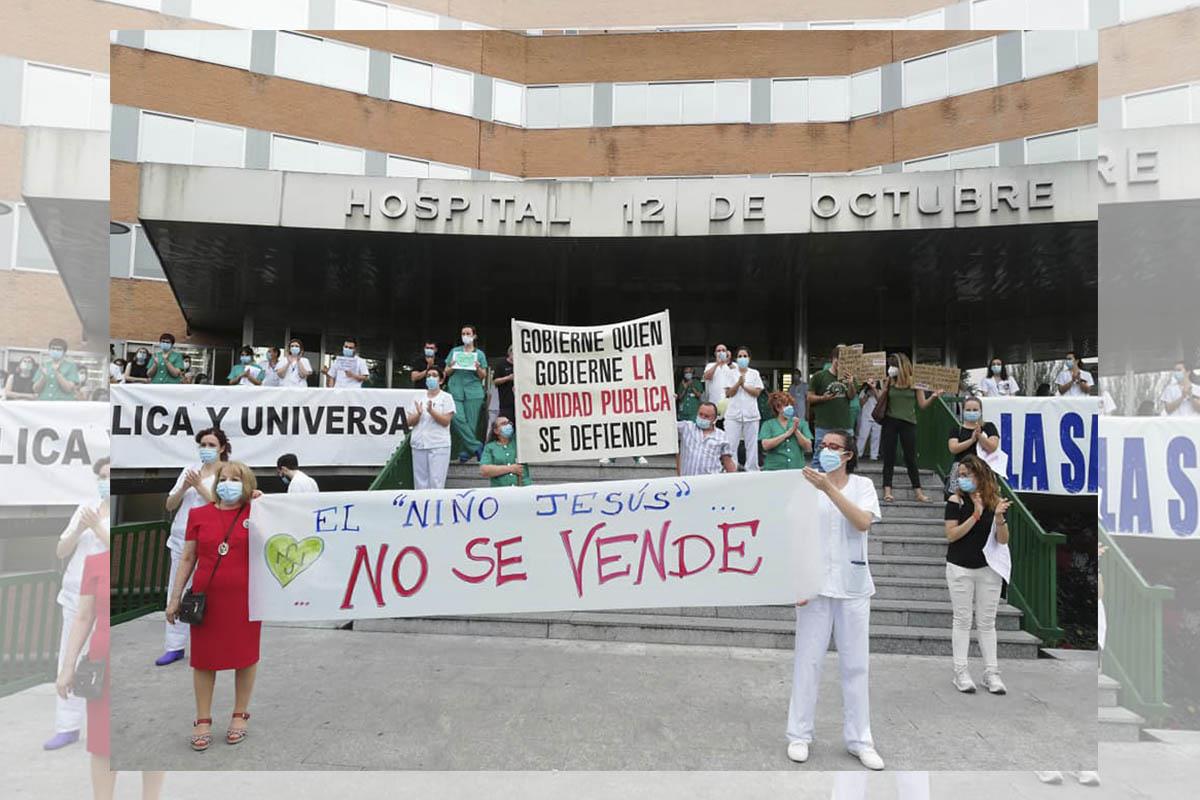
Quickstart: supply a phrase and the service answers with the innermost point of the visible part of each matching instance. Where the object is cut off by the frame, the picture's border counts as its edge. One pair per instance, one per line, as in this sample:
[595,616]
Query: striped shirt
[700,454]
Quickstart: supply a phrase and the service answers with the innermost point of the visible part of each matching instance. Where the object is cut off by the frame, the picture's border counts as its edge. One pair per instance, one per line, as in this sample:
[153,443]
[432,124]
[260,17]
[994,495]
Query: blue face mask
[102,488]
[789,411]
[972,416]
[703,423]
[996,368]
[431,382]
[1070,363]
[165,346]
[829,459]
[1179,375]
[245,359]
[286,480]
[229,491]
[429,352]
[294,350]
[208,455]
[966,484]
[56,354]
[743,362]
[506,431]
[348,351]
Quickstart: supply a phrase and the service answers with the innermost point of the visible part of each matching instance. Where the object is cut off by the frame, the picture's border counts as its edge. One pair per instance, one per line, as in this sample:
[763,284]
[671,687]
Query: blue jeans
[818,437]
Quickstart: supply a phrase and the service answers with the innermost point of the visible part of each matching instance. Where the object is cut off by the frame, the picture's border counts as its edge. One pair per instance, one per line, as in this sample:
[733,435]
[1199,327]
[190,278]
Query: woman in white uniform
[193,488]
[85,535]
[997,383]
[846,507]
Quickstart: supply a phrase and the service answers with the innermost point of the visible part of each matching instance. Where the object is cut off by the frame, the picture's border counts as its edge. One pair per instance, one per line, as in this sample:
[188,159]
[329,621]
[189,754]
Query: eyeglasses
[835,447]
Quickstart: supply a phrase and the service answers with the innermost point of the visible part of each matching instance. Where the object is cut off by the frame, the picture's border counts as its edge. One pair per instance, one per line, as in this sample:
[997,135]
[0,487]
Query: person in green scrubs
[58,379]
[689,395]
[785,437]
[900,423]
[499,460]
[167,365]
[466,368]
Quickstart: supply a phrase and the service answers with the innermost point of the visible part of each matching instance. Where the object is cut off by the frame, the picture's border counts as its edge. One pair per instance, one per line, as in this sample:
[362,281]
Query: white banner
[1050,442]
[665,542]
[155,425]
[594,392]
[1150,476]
[47,450]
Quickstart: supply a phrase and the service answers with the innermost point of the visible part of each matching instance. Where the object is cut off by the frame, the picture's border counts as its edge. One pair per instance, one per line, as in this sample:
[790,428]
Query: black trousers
[892,429]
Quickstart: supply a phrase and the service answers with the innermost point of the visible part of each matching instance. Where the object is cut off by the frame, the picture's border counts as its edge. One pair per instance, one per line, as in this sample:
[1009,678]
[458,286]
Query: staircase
[910,612]
[1117,724]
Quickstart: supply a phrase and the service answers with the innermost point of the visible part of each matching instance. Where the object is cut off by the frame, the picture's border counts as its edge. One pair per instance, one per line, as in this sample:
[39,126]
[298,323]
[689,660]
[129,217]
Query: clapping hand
[818,479]
[88,518]
[1002,508]
[191,478]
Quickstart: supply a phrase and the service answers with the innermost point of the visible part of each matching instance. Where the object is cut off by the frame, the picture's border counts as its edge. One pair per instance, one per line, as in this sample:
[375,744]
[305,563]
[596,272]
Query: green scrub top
[52,390]
[834,413]
[463,382]
[902,404]
[789,454]
[687,408]
[161,375]
[503,455]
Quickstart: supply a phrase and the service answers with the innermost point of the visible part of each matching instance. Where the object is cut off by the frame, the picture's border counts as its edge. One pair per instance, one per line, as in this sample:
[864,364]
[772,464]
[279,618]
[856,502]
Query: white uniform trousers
[177,633]
[430,468]
[69,713]
[747,433]
[849,620]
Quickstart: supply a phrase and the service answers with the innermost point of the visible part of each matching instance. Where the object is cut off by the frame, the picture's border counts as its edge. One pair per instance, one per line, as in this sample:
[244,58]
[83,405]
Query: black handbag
[89,679]
[192,604]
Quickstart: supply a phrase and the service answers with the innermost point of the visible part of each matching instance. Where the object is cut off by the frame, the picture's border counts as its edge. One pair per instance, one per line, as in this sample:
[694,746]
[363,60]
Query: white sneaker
[640,460]
[992,682]
[963,682]
[869,758]
[798,751]
[1053,777]
[1089,778]
[606,461]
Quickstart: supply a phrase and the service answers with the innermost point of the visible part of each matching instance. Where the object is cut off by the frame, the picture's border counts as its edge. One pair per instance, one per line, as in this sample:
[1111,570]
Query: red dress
[95,584]
[226,639]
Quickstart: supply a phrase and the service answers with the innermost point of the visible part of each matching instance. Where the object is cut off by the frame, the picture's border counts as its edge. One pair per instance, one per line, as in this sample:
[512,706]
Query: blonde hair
[236,470]
[904,379]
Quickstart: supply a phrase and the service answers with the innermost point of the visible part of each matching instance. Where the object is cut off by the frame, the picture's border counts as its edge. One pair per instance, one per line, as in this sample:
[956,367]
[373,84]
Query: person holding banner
[430,420]
[977,565]
[785,437]
[900,422]
[972,436]
[167,364]
[703,447]
[719,375]
[19,384]
[1181,397]
[828,399]
[192,489]
[218,549]
[997,383]
[349,371]
[86,535]
[58,378]
[246,373]
[1073,380]
[466,367]
[295,367]
[688,396]
[499,462]
[846,507]
[742,417]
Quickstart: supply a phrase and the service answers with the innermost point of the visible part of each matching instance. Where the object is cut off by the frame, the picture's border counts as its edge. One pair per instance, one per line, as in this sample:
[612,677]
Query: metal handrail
[30,626]
[141,567]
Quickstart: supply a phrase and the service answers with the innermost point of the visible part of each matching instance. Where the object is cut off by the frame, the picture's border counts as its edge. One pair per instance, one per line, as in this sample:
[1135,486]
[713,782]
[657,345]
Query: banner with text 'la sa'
[600,391]
[47,450]
[155,425]
[1150,476]
[1050,442]
[739,539]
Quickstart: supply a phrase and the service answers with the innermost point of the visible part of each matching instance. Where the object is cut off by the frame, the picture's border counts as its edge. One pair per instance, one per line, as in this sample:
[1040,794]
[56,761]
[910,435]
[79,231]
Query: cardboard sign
[931,378]
[872,367]
[577,546]
[465,360]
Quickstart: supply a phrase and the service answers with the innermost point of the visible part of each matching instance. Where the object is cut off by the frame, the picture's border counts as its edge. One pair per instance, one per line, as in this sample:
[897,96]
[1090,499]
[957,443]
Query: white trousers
[853,785]
[974,591]
[745,431]
[868,429]
[430,467]
[69,713]
[177,633]
[849,621]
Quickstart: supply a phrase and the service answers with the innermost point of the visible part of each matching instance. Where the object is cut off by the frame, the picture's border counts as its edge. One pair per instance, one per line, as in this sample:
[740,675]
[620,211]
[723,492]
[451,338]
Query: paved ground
[331,699]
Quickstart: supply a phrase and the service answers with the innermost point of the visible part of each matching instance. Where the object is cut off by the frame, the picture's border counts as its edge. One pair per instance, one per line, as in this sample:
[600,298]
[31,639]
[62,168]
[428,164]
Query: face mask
[789,411]
[348,351]
[830,459]
[996,368]
[286,480]
[56,354]
[1180,375]
[164,346]
[1070,363]
[506,431]
[743,362]
[703,424]
[466,339]
[687,376]
[429,352]
[893,372]
[26,368]
[208,455]
[966,484]
[229,491]
[102,488]
[294,350]
[141,357]
[245,359]
[972,416]
[722,355]
[431,383]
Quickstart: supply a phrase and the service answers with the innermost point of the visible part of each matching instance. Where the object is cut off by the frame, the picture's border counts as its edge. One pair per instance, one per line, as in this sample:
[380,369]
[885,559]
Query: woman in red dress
[93,610]
[226,638]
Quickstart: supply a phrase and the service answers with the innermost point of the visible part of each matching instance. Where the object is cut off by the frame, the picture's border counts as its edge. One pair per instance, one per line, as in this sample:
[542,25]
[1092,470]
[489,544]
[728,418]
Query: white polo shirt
[1174,392]
[1064,377]
[723,377]
[428,434]
[999,387]
[743,407]
[842,545]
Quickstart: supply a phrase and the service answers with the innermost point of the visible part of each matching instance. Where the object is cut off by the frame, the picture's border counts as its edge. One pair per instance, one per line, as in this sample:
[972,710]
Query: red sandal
[235,735]
[201,741]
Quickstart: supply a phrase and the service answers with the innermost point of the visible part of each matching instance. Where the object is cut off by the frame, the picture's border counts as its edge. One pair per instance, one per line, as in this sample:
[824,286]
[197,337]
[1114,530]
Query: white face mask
[467,338]
[893,372]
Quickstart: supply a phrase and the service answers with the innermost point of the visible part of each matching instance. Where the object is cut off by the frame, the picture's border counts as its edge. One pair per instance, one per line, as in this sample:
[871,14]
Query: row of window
[60,97]
[1076,144]
[21,243]
[273,14]
[1173,105]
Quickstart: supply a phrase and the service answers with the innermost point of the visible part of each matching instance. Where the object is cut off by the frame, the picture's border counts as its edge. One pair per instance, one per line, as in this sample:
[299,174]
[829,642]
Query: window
[406,18]
[360,15]
[856,24]
[828,99]
[876,170]
[925,79]
[1172,106]
[179,140]
[8,226]
[865,91]
[411,81]
[321,61]
[664,103]
[259,14]
[823,99]
[399,167]
[973,66]
[452,90]
[30,251]
[558,106]
[929,21]
[507,102]
[733,101]
[674,103]
[986,156]
[629,103]
[1141,9]
[1052,51]
[303,155]
[789,100]
[955,71]
[149,5]
[697,102]
[448,172]
[1018,15]
[928,164]
[1071,145]
[145,260]
[998,15]
[228,47]
[56,97]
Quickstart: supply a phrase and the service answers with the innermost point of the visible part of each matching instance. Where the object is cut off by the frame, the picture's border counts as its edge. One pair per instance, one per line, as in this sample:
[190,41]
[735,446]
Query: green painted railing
[1133,652]
[1034,585]
[30,626]
[141,567]
[397,473]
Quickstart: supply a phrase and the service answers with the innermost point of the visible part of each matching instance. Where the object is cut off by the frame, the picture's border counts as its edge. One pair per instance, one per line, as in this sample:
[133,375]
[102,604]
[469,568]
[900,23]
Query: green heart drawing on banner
[287,558]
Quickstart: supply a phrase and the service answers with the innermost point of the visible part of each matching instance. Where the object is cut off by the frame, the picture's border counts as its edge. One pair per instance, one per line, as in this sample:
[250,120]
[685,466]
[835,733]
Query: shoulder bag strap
[225,541]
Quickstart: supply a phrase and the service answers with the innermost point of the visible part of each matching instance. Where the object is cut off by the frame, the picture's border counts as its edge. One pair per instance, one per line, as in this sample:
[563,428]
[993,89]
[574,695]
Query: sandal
[921,496]
[235,735]
[201,741]
[888,497]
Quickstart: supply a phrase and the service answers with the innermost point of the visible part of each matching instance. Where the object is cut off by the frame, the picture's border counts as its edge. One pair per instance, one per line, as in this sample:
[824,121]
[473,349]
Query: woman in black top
[136,369]
[971,513]
[972,435]
[19,384]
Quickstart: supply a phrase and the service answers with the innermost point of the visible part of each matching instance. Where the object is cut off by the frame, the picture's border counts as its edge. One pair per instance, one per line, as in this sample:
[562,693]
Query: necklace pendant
[223,548]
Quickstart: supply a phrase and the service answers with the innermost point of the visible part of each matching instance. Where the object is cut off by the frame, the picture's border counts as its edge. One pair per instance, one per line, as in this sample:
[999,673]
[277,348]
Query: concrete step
[1119,724]
[911,509]
[893,588]
[1109,691]
[909,567]
[921,614]
[689,630]
[898,525]
[888,545]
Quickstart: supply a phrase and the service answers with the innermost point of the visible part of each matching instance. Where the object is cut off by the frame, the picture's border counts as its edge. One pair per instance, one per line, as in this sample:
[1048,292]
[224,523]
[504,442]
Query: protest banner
[600,391]
[154,425]
[1050,442]
[1150,476]
[465,360]
[343,364]
[872,367]
[665,542]
[849,361]
[931,378]
[47,450]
